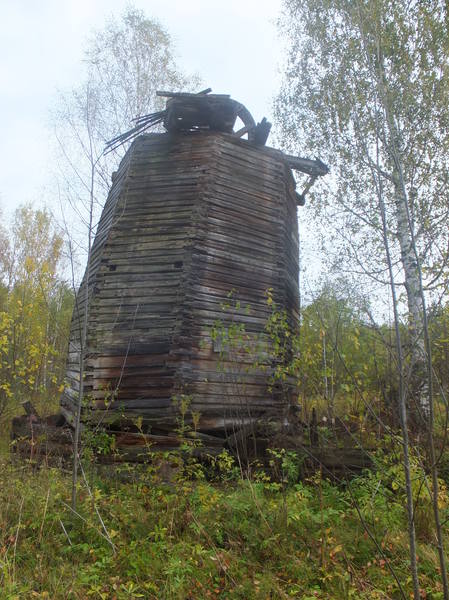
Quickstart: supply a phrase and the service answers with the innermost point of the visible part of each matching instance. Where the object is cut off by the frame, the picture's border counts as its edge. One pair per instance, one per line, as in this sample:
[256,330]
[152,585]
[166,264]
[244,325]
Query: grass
[230,538]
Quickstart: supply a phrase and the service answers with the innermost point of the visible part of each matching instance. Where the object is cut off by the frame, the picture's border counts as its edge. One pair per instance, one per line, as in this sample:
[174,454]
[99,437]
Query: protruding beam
[315,168]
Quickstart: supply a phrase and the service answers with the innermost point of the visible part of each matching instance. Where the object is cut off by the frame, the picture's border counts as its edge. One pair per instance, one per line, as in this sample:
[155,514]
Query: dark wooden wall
[189,218]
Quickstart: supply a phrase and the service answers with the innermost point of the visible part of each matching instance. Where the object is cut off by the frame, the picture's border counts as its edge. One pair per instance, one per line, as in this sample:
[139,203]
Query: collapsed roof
[191,113]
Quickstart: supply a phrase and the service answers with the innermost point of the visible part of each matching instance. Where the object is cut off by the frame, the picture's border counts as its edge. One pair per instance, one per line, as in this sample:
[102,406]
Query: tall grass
[220,538]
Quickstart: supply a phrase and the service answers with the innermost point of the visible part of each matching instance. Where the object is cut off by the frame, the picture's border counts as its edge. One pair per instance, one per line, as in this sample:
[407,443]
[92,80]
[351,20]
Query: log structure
[198,225]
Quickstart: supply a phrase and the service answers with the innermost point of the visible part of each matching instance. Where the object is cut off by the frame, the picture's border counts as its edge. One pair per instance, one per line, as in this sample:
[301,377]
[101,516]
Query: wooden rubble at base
[49,441]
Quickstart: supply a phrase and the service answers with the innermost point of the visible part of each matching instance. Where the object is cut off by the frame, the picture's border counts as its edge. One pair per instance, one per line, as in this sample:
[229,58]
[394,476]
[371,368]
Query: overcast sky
[232,45]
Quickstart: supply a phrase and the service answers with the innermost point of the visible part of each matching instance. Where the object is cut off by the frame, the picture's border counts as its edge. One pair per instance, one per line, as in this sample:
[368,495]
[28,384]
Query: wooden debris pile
[49,441]
[192,113]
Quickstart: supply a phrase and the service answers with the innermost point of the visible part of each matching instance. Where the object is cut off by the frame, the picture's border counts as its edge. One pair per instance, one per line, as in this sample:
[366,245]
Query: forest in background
[36,303]
[365,87]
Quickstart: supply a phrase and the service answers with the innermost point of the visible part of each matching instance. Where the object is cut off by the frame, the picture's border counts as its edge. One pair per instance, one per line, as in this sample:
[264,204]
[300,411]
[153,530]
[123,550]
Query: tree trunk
[418,395]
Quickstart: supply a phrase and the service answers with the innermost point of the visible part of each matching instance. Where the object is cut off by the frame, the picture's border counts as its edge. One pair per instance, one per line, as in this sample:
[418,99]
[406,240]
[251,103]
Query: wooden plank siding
[189,218]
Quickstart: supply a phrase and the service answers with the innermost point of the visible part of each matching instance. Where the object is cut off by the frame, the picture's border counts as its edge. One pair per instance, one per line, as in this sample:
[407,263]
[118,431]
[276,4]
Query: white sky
[233,45]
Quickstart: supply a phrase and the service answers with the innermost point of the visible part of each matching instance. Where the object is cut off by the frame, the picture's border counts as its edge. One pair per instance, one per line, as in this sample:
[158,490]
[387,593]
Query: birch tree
[367,83]
[126,62]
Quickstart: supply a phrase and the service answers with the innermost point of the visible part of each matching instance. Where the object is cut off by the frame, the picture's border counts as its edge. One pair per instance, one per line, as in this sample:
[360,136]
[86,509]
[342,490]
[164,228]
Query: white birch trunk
[417,382]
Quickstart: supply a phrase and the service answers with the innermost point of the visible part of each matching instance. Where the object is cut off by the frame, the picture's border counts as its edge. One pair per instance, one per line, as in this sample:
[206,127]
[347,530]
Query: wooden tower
[198,225]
